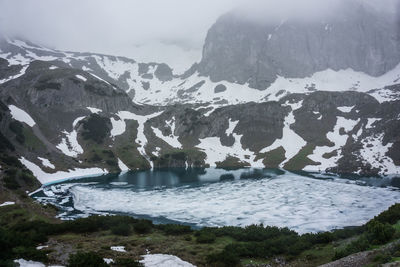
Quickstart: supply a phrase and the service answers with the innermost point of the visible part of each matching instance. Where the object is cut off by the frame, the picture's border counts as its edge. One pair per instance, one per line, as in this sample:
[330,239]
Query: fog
[172,31]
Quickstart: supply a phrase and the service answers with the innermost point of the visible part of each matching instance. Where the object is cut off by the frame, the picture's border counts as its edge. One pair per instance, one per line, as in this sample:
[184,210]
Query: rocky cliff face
[65,114]
[242,50]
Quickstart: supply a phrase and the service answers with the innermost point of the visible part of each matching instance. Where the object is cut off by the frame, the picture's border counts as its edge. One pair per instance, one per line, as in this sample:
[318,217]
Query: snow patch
[45,178]
[172,139]
[374,153]
[345,109]
[108,261]
[120,126]
[291,142]
[25,263]
[81,77]
[339,141]
[216,152]
[118,248]
[94,110]
[69,144]
[46,163]
[231,127]
[20,115]
[370,122]
[7,203]
[122,166]
[163,260]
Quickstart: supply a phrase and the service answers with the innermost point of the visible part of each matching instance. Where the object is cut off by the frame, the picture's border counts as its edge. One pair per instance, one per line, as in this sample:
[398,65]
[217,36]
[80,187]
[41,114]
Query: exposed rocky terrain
[325,107]
[244,50]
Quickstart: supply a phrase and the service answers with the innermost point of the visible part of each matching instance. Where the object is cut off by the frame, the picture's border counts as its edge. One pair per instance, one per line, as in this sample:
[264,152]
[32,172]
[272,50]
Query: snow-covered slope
[89,113]
[155,84]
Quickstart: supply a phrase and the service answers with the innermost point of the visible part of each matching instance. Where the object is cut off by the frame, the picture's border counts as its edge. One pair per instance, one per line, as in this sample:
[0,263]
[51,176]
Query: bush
[358,245]
[391,215]
[205,237]
[121,229]
[225,258]
[17,128]
[126,262]
[89,259]
[30,253]
[379,233]
[96,128]
[143,226]
[175,229]
[10,182]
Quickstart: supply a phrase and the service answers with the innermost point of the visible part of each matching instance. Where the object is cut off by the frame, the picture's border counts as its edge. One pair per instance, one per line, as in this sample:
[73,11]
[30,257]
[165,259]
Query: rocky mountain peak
[243,50]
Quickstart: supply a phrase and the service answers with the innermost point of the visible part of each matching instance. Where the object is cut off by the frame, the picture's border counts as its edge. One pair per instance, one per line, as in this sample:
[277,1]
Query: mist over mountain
[296,42]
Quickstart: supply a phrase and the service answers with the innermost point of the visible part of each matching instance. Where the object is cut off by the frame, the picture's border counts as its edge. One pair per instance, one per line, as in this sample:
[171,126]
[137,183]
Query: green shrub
[30,253]
[126,262]
[391,215]
[121,229]
[382,258]
[143,226]
[17,128]
[175,229]
[226,258]
[96,128]
[10,182]
[361,244]
[379,233]
[89,259]
[205,237]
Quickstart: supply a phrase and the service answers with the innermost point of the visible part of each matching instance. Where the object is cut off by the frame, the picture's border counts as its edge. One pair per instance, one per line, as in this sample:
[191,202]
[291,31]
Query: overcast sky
[149,30]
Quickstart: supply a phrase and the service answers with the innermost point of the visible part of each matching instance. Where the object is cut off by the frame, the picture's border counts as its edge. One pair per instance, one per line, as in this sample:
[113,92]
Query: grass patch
[301,160]
[273,158]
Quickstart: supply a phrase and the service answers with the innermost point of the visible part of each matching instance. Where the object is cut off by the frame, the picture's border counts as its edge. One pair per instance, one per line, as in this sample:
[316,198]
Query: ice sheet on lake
[300,203]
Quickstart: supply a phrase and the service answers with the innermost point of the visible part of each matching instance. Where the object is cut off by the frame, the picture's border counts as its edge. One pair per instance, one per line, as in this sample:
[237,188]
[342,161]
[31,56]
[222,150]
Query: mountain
[249,51]
[66,114]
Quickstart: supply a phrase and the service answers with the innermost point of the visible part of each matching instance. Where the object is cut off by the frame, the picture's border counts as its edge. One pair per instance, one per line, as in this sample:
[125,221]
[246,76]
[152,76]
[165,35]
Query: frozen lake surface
[303,202]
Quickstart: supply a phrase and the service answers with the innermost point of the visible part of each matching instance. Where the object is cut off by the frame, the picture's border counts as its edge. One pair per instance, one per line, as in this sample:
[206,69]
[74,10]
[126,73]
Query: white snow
[53,68]
[118,248]
[162,93]
[172,139]
[46,178]
[69,144]
[122,166]
[231,127]
[163,260]
[345,109]
[25,263]
[97,77]
[339,141]
[108,261]
[7,203]
[216,152]
[374,153]
[300,203]
[20,115]
[290,141]
[119,127]
[81,77]
[95,110]
[41,247]
[46,163]
[370,122]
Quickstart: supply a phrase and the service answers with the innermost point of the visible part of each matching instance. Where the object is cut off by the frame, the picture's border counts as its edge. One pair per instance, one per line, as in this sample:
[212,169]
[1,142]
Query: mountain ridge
[89,113]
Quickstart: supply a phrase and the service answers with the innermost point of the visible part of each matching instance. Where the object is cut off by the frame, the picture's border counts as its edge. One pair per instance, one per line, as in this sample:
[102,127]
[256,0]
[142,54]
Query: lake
[304,202]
